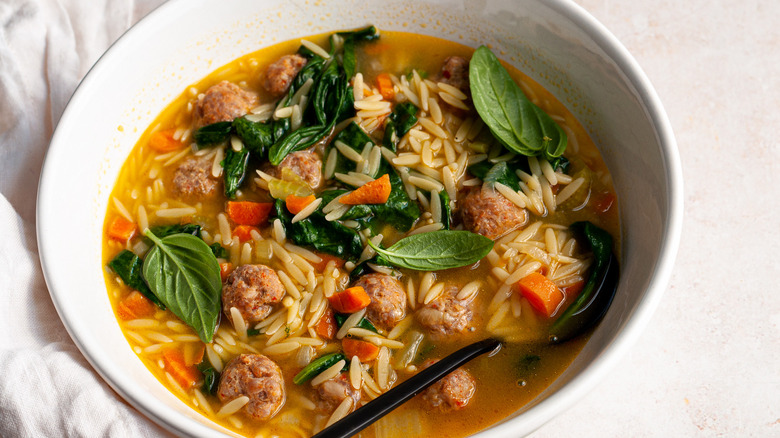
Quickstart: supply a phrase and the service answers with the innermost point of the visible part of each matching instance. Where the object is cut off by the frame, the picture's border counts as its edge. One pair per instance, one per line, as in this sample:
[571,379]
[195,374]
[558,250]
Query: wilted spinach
[128,267]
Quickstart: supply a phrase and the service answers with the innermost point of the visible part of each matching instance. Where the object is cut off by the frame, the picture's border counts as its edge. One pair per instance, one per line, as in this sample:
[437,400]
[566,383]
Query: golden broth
[507,373]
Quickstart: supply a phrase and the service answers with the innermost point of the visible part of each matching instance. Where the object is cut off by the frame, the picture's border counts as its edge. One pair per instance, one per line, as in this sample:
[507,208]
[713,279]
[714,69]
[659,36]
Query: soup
[315,222]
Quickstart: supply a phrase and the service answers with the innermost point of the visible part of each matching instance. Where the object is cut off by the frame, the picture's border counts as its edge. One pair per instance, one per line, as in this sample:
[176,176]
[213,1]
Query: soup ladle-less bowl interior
[556,43]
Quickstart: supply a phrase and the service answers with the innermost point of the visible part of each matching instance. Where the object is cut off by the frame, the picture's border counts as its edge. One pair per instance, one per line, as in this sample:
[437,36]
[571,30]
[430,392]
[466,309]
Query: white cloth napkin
[47,388]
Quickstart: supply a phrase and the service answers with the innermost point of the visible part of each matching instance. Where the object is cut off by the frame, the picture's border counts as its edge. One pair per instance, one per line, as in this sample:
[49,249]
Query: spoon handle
[382,405]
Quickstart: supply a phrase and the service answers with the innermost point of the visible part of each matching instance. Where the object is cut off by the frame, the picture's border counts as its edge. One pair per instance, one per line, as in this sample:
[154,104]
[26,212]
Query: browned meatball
[222,103]
[252,289]
[332,392]
[280,74]
[388,299]
[455,72]
[193,179]
[446,314]
[487,212]
[256,377]
[306,164]
[453,392]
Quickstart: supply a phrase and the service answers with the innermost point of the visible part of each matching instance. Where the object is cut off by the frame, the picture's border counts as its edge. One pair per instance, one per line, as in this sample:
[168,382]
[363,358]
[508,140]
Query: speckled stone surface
[708,363]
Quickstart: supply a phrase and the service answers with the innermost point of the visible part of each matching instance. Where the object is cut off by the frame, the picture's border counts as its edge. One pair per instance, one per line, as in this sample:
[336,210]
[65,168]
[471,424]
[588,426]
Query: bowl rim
[536,416]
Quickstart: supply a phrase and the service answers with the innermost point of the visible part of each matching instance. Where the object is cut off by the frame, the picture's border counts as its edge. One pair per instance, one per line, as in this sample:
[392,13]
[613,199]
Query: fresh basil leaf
[317,366]
[599,291]
[128,267]
[436,250]
[513,119]
[446,209]
[166,230]
[234,168]
[212,134]
[182,271]
[219,251]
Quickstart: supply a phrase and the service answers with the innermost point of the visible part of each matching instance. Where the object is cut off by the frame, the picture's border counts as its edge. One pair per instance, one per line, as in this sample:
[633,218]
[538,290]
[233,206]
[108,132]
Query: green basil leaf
[436,250]
[212,134]
[128,267]
[166,230]
[513,119]
[182,271]
[234,167]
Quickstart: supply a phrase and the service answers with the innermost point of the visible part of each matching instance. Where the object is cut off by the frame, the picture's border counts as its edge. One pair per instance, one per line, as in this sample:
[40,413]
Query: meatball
[252,289]
[193,179]
[455,72]
[452,392]
[332,392]
[281,73]
[223,103]
[388,299]
[306,164]
[487,212]
[446,315]
[256,377]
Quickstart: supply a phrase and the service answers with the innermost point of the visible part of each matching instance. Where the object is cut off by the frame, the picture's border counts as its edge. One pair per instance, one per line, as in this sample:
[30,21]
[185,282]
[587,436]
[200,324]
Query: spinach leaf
[166,230]
[182,271]
[436,250]
[368,33]
[363,268]
[128,267]
[561,163]
[446,209]
[596,297]
[212,134]
[234,167]
[363,323]
[257,136]
[399,122]
[502,172]
[513,119]
[252,332]
[210,378]
[219,251]
[297,140]
[326,236]
[399,210]
[354,137]
[317,366]
[349,60]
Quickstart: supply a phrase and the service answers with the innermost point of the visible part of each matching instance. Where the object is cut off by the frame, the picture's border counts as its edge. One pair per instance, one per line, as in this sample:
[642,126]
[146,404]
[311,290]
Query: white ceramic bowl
[554,41]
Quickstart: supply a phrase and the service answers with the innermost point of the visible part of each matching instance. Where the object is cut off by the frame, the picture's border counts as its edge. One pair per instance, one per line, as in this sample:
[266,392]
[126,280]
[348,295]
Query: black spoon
[382,405]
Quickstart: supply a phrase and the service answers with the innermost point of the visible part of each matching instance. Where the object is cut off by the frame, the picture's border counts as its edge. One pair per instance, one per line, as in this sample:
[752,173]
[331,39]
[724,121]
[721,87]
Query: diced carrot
[326,327]
[197,356]
[297,203]
[163,141]
[573,290]
[121,229]
[326,258]
[135,305]
[543,295]
[365,351]
[373,192]
[604,202]
[244,232]
[248,213]
[225,269]
[175,365]
[385,85]
[350,300]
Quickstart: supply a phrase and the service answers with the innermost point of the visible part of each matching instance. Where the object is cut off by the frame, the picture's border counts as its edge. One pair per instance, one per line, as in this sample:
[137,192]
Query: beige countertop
[708,363]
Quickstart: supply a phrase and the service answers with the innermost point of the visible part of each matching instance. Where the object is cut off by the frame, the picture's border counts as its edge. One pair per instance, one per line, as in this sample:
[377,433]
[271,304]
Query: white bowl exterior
[555,42]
